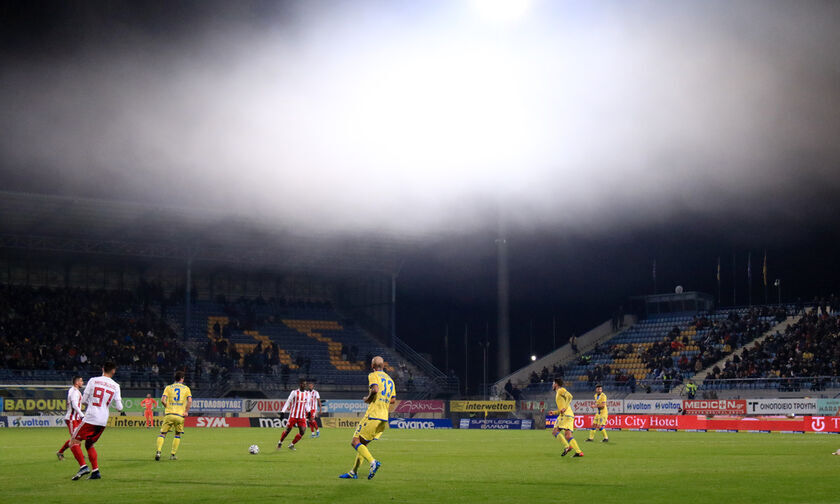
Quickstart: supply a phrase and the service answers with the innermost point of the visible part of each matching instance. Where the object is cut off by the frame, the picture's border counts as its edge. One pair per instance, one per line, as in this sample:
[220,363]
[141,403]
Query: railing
[813,383]
[417,360]
[578,387]
[565,354]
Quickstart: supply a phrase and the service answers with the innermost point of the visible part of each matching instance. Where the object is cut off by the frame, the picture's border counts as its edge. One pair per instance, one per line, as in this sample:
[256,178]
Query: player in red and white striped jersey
[101,392]
[314,410]
[74,414]
[297,404]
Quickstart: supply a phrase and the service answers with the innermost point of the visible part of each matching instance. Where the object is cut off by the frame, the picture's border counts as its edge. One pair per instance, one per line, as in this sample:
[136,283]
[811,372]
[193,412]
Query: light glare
[501,11]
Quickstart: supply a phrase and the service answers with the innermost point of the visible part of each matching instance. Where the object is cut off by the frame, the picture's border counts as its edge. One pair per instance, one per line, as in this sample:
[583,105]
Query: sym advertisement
[223,422]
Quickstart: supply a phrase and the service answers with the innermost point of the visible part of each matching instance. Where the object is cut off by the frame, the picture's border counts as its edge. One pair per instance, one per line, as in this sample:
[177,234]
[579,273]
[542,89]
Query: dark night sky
[96,97]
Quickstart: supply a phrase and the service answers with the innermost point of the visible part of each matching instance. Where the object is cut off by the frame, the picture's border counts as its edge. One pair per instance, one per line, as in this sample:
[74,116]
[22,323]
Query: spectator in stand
[691,389]
[809,348]
[67,329]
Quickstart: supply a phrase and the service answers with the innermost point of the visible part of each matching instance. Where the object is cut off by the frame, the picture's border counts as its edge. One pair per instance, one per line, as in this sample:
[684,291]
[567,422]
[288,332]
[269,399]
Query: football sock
[65,446]
[77,452]
[364,452]
[175,444]
[574,445]
[160,442]
[91,451]
[357,463]
[604,432]
[591,434]
[283,436]
[562,439]
[296,439]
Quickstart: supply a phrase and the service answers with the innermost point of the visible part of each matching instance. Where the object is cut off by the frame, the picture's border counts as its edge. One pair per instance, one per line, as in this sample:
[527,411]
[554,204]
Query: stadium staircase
[317,335]
[778,328]
[565,355]
[640,336]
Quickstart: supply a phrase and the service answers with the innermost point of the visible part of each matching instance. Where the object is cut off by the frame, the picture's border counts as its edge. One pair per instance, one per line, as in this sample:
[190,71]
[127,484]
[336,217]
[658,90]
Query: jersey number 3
[387,388]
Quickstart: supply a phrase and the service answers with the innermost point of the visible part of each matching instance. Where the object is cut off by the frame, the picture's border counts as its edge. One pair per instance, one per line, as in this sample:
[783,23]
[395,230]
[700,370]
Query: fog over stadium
[603,135]
[430,117]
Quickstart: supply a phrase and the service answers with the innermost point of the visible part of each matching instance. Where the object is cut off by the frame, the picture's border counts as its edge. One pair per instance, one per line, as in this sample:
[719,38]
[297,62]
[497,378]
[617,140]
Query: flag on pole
[718,271]
[654,269]
[764,268]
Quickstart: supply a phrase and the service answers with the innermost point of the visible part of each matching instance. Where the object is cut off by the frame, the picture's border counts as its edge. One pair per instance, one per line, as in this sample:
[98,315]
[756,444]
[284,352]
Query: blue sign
[223,405]
[4,422]
[496,423]
[420,423]
[344,406]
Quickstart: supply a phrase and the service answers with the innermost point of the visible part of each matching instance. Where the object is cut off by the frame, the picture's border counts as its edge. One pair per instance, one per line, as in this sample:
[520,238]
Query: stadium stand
[805,356]
[280,339]
[51,334]
[658,353]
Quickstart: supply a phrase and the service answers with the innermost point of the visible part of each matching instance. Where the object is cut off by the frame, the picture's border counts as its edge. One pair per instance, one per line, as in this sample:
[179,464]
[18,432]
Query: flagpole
[764,275]
[720,301]
[734,281]
[655,290]
[749,278]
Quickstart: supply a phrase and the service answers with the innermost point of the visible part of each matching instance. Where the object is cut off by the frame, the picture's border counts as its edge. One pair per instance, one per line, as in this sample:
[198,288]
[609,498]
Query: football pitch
[428,466]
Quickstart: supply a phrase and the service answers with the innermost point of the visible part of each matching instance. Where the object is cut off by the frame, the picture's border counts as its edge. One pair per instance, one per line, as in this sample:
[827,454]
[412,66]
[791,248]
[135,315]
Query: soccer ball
[253,449]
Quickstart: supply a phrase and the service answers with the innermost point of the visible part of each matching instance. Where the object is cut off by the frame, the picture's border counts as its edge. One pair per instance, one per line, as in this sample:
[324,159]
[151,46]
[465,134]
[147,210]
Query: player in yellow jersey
[177,400]
[600,420]
[565,419]
[381,396]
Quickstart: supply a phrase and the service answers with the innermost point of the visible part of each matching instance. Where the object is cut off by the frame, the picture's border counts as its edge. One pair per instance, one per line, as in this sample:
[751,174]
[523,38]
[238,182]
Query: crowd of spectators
[809,348]
[78,330]
[721,338]
[546,375]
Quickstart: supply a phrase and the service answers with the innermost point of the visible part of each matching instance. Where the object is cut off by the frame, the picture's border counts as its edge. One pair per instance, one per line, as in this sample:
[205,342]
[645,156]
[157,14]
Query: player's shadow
[158,481]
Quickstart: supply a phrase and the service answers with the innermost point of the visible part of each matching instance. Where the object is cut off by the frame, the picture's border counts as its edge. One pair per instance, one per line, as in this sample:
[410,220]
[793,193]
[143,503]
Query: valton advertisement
[653,407]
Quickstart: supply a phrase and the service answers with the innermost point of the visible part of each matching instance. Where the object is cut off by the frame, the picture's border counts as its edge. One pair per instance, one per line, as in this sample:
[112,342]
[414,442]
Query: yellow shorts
[566,422]
[370,429]
[172,422]
[600,420]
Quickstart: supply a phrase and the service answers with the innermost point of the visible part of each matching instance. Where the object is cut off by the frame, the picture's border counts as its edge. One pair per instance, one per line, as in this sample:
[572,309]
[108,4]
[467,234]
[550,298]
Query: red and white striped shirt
[297,403]
[74,405]
[313,400]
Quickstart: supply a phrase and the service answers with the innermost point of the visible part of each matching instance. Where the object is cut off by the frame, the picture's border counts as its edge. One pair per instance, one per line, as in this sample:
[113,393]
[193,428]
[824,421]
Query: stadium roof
[90,226]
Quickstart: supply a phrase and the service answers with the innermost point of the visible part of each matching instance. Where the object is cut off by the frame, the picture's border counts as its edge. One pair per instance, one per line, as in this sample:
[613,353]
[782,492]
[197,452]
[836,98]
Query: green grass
[428,466]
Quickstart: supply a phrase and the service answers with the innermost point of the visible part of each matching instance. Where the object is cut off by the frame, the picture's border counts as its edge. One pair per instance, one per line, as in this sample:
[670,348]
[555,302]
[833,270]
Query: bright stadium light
[501,11]
[533,357]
